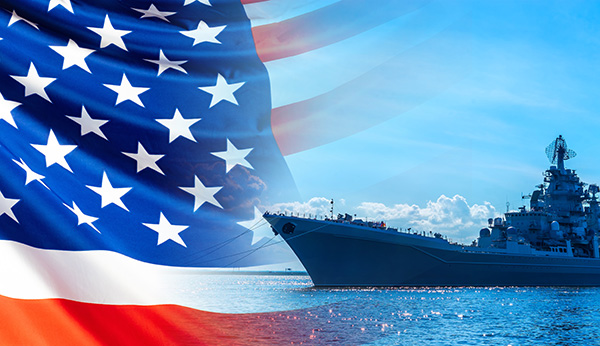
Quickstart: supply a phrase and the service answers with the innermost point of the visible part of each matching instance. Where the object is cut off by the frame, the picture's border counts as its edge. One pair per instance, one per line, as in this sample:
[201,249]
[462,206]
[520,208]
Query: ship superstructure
[553,242]
[562,217]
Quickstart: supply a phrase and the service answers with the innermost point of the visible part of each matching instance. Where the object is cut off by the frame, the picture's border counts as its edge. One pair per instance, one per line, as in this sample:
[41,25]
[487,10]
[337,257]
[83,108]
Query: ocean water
[300,314]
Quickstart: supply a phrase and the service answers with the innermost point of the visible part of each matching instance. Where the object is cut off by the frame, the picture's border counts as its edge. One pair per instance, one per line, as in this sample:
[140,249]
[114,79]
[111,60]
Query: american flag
[137,129]
[133,133]
[139,138]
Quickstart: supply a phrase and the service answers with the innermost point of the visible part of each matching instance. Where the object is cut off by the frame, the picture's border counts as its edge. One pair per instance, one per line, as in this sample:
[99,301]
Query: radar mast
[557,152]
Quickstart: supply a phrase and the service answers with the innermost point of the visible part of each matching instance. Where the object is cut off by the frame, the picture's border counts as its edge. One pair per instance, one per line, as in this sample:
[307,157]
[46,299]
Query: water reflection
[301,313]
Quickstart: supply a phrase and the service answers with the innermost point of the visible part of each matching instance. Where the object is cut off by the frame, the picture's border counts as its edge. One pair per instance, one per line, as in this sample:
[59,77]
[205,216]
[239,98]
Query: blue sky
[531,74]
[497,82]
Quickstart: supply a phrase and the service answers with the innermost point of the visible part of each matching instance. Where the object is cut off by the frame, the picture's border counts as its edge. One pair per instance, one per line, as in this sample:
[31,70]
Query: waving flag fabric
[134,130]
[135,142]
[142,140]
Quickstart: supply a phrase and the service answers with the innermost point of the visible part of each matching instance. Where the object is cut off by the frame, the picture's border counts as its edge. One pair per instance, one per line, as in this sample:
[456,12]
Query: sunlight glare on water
[410,316]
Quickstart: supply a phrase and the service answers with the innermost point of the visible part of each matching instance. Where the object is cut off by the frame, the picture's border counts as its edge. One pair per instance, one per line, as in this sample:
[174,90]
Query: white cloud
[452,217]
[315,206]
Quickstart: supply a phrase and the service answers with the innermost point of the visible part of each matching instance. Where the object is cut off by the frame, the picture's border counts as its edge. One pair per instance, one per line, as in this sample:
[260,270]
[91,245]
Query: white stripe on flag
[105,277]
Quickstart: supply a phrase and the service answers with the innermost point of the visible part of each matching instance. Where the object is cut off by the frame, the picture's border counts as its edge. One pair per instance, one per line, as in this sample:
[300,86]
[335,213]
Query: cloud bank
[315,206]
[451,216]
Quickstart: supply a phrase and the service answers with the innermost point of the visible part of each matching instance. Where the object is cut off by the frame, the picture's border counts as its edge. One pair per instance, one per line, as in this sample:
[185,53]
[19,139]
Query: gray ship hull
[341,254]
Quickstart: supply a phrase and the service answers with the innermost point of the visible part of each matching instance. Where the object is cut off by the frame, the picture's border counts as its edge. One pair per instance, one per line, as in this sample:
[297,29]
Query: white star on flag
[6,107]
[145,160]
[234,156]
[64,3]
[153,12]
[15,18]
[258,225]
[55,152]
[178,126]
[165,64]
[204,33]
[167,231]
[205,2]
[81,217]
[126,91]
[6,205]
[73,55]
[89,124]
[34,84]
[202,194]
[110,194]
[222,91]
[30,175]
[109,35]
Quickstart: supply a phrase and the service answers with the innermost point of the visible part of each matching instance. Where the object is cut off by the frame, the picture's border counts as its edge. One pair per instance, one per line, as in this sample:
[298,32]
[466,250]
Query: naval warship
[554,242]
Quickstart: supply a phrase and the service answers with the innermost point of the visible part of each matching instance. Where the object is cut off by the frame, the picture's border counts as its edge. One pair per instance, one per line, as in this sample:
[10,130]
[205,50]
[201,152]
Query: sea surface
[301,314]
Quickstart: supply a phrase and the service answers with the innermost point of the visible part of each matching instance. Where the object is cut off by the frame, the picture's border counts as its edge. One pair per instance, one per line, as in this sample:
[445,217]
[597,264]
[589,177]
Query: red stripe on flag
[246,2]
[325,26]
[67,322]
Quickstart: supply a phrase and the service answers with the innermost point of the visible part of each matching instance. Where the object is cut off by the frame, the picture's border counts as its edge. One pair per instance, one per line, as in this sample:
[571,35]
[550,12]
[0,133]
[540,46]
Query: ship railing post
[569,248]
